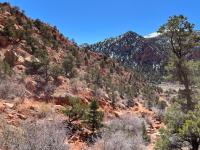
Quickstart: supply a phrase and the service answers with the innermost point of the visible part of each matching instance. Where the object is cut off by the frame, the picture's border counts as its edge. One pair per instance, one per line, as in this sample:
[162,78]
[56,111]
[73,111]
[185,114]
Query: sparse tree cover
[105,80]
[182,118]
[78,111]
[44,65]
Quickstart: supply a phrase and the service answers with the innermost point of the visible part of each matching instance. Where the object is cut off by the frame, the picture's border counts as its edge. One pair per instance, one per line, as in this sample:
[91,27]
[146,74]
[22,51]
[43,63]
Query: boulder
[19,68]
[2,107]
[11,116]
[30,84]
[9,105]
[22,117]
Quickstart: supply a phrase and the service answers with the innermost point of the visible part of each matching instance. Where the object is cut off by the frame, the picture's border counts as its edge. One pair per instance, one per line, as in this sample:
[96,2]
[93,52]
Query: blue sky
[89,21]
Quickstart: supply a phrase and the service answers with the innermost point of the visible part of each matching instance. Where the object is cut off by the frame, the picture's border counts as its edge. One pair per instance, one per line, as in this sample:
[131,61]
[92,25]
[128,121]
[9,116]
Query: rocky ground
[31,109]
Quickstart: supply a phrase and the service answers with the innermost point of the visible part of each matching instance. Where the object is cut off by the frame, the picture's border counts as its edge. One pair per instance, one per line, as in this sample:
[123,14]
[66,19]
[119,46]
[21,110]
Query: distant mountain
[132,49]
[147,55]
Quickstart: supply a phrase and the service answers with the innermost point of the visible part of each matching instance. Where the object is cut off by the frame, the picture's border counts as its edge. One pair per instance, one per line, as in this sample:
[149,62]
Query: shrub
[10,58]
[77,85]
[48,91]
[5,69]
[146,137]
[41,135]
[151,99]
[9,29]
[68,65]
[113,99]
[162,105]
[56,71]
[122,134]
[10,89]
[76,110]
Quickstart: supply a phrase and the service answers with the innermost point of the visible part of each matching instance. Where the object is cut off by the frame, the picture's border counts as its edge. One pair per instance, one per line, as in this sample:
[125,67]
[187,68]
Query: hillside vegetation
[57,95]
[52,90]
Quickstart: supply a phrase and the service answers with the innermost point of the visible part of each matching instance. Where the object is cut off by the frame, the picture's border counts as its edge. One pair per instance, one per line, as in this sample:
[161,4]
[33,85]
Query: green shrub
[56,71]
[76,109]
[68,65]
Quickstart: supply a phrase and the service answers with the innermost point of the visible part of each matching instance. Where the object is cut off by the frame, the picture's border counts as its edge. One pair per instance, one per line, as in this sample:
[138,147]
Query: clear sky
[89,21]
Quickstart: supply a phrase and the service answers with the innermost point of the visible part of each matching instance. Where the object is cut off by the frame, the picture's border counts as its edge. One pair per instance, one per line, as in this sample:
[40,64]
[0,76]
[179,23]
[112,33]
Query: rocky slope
[41,70]
[148,55]
[132,49]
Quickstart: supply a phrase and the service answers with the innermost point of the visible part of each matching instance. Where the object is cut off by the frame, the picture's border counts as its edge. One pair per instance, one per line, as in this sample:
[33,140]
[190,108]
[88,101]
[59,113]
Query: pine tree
[94,117]
[182,39]
[183,117]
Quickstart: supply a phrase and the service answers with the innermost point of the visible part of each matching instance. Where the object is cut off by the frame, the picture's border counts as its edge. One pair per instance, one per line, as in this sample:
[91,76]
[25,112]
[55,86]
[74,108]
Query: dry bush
[77,86]
[122,134]
[10,89]
[45,111]
[100,93]
[160,113]
[42,135]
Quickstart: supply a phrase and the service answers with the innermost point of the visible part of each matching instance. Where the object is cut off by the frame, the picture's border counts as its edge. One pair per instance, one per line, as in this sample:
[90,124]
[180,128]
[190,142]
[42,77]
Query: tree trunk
[195,145]
[184,79]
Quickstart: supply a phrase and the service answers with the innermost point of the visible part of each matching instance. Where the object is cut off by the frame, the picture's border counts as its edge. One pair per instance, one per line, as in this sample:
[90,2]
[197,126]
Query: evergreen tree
[182,118]
[182,39]
[94,117]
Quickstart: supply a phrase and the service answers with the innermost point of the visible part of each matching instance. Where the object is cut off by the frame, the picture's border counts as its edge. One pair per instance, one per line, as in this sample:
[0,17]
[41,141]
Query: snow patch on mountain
[152,35]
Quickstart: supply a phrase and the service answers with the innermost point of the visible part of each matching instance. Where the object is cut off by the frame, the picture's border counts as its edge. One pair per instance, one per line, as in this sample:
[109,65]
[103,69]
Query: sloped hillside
[38,50]
[43,74]
[147,55]
[130,48]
